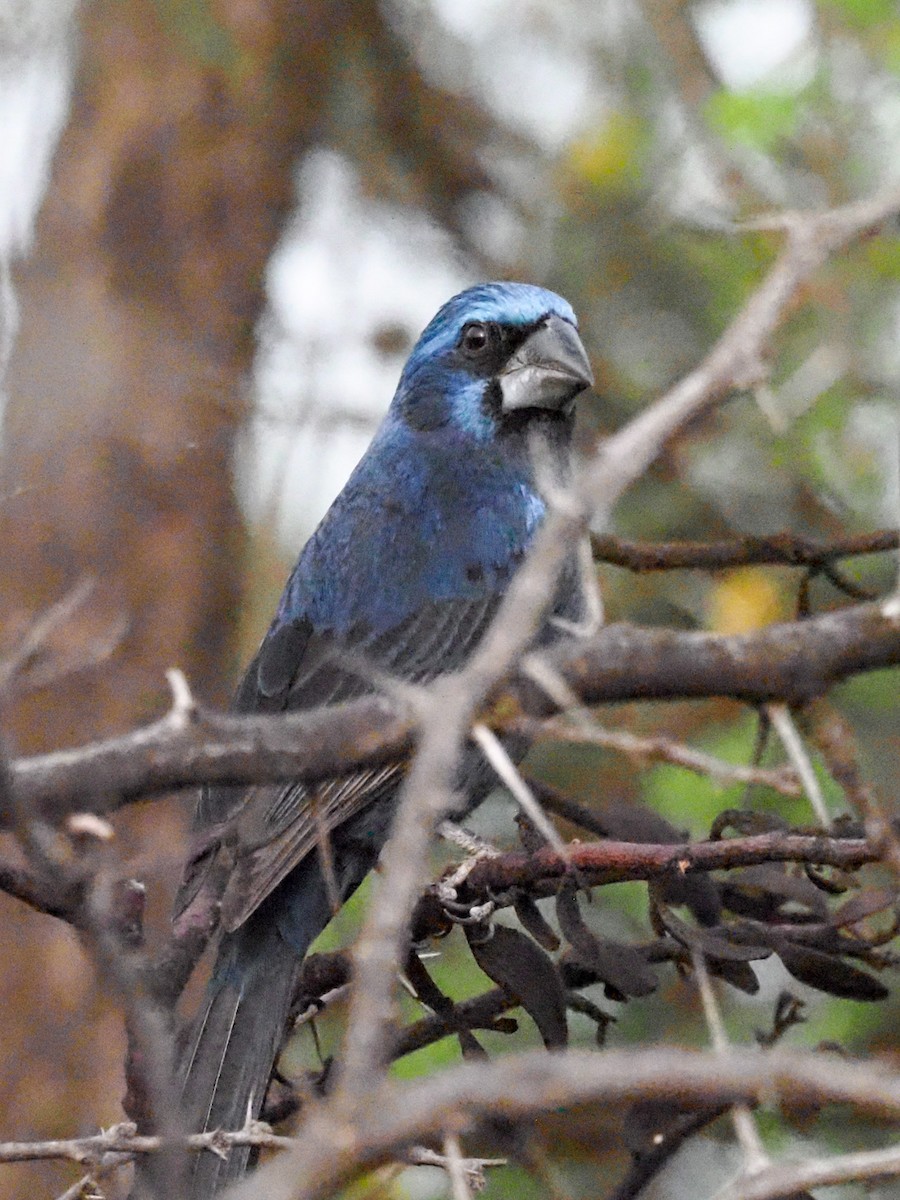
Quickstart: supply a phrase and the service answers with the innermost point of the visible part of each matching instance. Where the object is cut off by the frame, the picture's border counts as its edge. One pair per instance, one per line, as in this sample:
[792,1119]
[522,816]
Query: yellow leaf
[745,599]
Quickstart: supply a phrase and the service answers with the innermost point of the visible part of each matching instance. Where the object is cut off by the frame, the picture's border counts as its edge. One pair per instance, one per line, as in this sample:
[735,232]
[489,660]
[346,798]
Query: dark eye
[475,338]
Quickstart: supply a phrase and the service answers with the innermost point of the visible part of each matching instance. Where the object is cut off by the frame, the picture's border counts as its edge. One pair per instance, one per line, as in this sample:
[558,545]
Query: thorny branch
[792,663]
[615,1076]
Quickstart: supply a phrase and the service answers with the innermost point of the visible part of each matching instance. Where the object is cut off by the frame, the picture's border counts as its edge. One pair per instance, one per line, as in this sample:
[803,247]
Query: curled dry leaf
[827,973]
[518,965]
[622,968]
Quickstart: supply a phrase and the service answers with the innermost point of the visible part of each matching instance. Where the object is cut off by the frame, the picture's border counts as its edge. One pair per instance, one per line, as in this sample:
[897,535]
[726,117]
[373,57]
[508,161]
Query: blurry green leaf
[875,692]
[881,255]
[863,14]
[888,48]
[753,118]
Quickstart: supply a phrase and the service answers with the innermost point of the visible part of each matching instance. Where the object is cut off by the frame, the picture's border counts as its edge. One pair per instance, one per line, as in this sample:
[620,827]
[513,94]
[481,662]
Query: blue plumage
[406,571]
[437,493]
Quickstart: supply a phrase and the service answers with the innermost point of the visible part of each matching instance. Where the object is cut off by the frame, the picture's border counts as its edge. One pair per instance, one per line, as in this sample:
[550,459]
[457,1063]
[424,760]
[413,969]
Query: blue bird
[406,570]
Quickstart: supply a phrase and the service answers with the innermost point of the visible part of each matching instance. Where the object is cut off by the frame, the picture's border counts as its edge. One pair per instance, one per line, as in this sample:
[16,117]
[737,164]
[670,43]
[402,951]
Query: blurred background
[223,224]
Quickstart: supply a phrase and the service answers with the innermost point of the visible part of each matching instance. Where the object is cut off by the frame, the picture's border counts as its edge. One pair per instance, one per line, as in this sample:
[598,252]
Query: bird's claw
[461,913]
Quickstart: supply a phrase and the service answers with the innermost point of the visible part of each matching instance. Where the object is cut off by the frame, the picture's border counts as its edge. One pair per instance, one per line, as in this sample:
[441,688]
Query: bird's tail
[232,1046]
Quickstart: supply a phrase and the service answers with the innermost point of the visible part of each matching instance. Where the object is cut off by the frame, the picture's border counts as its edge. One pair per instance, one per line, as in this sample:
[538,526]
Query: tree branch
[793,663]
[600,863]
[523,1087]
[778,549]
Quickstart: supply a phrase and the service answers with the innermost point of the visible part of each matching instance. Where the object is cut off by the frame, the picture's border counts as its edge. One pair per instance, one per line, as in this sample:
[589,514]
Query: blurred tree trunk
[129,377]
[128,382]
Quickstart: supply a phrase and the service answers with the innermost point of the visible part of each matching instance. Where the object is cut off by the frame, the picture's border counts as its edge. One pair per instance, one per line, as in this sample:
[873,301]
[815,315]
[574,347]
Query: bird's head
[494,360]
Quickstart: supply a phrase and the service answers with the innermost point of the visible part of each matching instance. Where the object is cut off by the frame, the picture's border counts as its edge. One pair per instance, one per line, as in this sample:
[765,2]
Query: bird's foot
[462,912]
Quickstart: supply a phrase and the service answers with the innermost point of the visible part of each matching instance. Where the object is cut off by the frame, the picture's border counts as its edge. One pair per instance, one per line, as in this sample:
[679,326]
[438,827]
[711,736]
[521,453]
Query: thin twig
[784,726]
[123,1139]
[655,748]
[456,1170]
[755,1157]
[509,775]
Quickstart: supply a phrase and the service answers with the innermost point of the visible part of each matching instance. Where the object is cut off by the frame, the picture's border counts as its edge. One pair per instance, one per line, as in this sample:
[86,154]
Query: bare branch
[792,663]
[788,1178]
[124,1139]
[618,862]
[778,549]
[655,748]
[524,1086]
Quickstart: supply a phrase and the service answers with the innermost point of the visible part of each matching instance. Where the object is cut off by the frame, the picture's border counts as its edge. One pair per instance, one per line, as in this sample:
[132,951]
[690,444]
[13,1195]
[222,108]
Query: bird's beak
[547,371]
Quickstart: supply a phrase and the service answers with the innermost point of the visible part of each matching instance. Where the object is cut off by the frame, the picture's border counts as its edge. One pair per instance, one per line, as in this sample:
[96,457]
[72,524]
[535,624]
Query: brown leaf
[714,943]
[532,919]
[864,904]
[829,974]
[739,974]
[521,968]
[621,967]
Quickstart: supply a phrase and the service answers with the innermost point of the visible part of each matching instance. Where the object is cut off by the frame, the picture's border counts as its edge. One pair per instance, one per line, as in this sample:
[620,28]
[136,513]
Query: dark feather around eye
[478,338]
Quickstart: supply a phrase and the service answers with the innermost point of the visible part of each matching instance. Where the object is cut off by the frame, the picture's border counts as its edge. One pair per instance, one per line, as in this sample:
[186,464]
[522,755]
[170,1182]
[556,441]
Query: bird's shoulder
[421,520]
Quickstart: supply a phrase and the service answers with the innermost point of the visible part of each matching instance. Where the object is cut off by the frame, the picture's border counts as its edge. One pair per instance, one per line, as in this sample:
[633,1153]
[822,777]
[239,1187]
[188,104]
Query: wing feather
[273,828]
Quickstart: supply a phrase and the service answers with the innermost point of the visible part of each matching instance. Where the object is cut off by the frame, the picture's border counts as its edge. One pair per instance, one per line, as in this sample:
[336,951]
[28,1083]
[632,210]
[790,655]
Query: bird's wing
[274,827]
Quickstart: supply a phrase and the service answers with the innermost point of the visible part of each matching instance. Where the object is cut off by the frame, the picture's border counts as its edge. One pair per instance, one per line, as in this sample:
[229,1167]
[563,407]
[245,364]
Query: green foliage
[863,15]
[759,119]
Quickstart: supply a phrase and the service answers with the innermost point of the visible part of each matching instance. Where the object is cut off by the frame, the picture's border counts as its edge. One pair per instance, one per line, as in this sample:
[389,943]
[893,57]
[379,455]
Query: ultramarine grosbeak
[405,572]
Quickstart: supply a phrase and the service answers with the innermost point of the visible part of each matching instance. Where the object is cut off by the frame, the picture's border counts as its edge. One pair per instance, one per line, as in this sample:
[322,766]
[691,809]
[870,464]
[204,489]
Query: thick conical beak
[547,371]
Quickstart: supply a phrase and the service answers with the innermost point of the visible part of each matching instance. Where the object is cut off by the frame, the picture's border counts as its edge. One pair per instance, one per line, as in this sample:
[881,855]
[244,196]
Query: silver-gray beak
[547,371]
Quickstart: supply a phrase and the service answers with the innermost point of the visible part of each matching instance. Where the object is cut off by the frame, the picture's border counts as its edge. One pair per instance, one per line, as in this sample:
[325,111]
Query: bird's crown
[506,303]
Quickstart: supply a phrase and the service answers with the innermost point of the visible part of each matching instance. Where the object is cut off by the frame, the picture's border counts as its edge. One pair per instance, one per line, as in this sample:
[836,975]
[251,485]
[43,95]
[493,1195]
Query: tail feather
[235,1038]
[233,1045]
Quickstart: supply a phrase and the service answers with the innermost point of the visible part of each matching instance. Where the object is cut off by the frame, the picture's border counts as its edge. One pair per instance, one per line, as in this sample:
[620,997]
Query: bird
[405,573]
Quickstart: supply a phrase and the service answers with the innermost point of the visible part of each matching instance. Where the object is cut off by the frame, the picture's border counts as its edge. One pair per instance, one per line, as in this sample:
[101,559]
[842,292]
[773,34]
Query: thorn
[89,825]
[184,706]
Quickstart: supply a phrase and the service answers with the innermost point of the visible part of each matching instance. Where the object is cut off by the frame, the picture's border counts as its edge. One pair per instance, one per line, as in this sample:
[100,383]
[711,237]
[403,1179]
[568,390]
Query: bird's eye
[475,339]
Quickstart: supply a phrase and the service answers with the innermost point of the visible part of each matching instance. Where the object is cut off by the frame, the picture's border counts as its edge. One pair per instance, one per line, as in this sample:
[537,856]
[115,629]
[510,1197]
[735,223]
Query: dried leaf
[650,1123]
[621,967]
[695,890]
[746,823]
[864,904]
[828,879]
[635,823]
[829,974]
[522,969]
[739,974]
[532,919]
[773,881]
[714,943]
